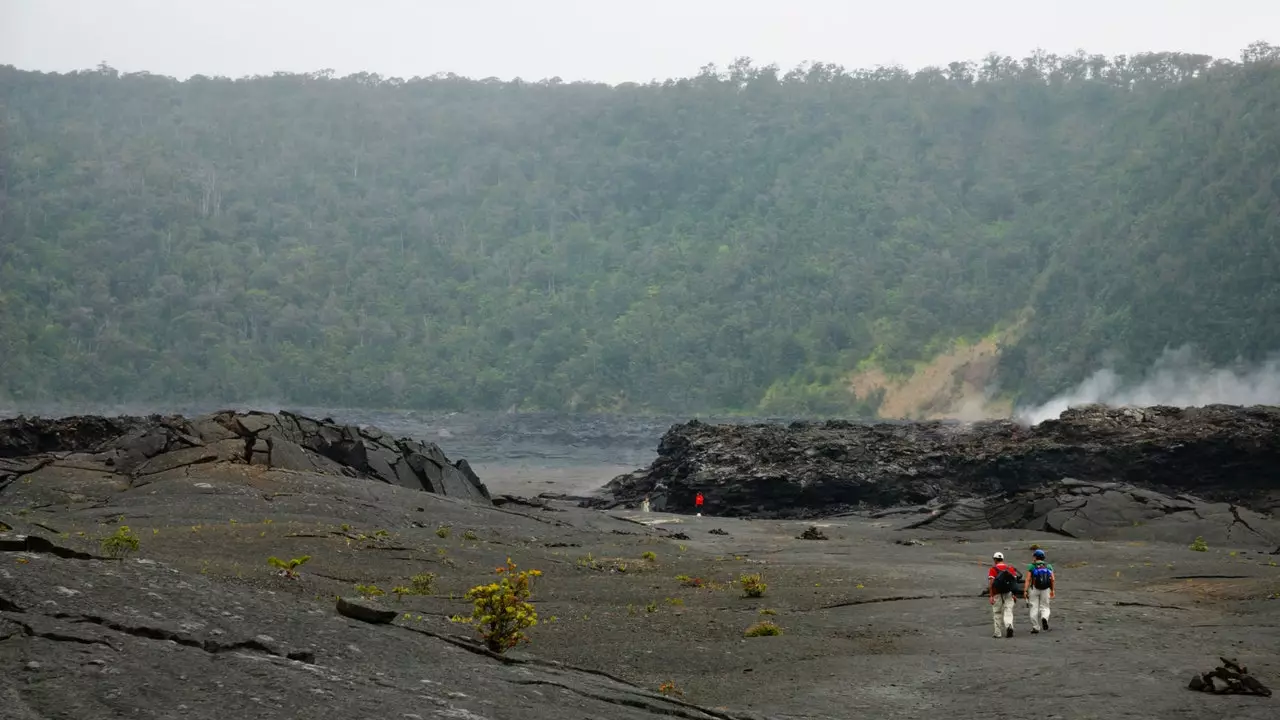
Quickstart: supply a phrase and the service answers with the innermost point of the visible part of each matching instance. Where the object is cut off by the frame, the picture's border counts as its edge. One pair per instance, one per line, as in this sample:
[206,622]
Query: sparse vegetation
[400,591]
[120,543]
[470,535]
[288,568]
[369,591]
[674,601]
[650,556]
[443,532]
[422,583]
[1199,545]
[651,607]
[762,629]
[669,688]
[752,585]
[502,611]
[768,611]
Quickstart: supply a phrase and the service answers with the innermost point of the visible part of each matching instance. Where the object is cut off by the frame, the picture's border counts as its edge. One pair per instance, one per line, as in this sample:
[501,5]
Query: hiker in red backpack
[1002,582]
[697,501]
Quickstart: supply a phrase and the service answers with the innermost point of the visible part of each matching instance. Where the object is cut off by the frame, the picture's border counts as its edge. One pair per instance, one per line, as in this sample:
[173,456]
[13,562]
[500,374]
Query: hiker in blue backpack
[1039,590]
[1002,584]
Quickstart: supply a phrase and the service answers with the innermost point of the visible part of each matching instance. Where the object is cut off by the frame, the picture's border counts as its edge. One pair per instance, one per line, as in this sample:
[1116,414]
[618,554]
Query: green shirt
[1032,566]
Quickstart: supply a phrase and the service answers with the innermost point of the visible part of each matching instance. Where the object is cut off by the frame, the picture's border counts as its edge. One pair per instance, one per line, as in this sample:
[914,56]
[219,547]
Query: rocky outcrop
[142,447]
[1096,511]
[1221,453]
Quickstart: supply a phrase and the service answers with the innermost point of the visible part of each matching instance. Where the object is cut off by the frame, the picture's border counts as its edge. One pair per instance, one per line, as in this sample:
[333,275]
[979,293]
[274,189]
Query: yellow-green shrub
[502,611]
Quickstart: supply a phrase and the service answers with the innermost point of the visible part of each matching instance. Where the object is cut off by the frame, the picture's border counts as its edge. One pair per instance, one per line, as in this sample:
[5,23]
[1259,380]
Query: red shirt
[698,500]
[995,570]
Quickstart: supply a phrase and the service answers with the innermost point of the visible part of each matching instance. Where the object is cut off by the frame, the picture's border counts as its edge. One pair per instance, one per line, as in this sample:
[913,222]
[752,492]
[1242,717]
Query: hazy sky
[609,40]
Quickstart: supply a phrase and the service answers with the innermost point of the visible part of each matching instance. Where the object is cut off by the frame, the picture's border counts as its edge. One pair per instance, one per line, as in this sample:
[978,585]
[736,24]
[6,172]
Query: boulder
[142,447]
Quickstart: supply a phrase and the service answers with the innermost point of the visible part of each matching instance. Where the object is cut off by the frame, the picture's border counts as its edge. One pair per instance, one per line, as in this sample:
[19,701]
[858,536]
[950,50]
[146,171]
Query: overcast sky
[608,40]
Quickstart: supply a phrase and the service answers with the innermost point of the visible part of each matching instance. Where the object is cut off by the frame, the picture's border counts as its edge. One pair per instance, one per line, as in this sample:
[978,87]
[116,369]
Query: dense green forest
[740,240]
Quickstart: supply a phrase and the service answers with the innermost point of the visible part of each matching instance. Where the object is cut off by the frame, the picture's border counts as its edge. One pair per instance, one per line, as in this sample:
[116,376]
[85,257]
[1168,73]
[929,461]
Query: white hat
[998,556]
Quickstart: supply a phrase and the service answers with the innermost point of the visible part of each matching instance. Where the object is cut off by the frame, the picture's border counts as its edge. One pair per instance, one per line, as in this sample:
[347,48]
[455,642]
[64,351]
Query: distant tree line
[739,240]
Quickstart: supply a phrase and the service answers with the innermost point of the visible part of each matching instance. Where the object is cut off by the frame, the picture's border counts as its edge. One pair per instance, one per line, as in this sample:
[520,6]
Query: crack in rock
[1121,603]
[30,631]
[213,647]
[896,598]
[635,703]
[1237,520]
[37,544]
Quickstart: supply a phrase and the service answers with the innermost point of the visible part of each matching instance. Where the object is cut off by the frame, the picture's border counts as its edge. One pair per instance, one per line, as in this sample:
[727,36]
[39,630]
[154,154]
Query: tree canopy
[739,240]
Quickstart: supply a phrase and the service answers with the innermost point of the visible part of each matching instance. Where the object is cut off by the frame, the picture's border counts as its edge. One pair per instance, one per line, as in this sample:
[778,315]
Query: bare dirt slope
[196,624]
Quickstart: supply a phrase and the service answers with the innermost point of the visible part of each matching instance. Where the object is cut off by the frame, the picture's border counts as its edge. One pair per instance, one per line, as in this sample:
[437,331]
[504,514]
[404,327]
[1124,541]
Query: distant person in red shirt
[1002,581]
[697,501]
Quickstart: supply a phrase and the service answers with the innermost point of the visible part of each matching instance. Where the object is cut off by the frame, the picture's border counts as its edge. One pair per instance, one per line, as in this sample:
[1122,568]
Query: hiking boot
[1035,630]
[1044,623]
[1008,632]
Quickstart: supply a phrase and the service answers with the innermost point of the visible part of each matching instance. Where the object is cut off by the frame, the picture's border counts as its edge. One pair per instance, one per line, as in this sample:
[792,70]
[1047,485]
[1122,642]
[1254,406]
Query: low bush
[370,590]
[120,543]
[502,611]
[762,629]
[421,584]
[752,585]
[288,568]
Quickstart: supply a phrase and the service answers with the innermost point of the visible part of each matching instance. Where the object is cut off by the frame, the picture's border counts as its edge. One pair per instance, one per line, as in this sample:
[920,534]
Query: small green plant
[288,568]
[762,629]
[470,535]
[588,561]
[752,585]
[768,611]
[421,584]
[346,527]
[674,601]
[1199,545]
[652,607]
[502,611]
[400,591]
[369,590]
[120,543]
[650,555]
[443,532]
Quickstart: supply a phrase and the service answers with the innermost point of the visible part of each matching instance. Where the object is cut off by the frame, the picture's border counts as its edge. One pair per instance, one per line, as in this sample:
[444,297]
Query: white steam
[1175,379]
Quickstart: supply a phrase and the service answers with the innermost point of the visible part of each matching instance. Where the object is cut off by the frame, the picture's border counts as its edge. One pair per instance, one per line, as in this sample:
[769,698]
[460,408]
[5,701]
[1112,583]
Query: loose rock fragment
[1229,678]
[813,533]
[364,610]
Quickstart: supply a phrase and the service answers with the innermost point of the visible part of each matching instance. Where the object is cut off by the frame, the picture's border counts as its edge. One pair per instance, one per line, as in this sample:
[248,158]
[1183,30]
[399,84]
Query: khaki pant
[1002,614]
[1039,602]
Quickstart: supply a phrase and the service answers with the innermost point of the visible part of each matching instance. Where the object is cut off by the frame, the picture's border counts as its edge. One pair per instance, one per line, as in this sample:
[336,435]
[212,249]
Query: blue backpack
[1041,576]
